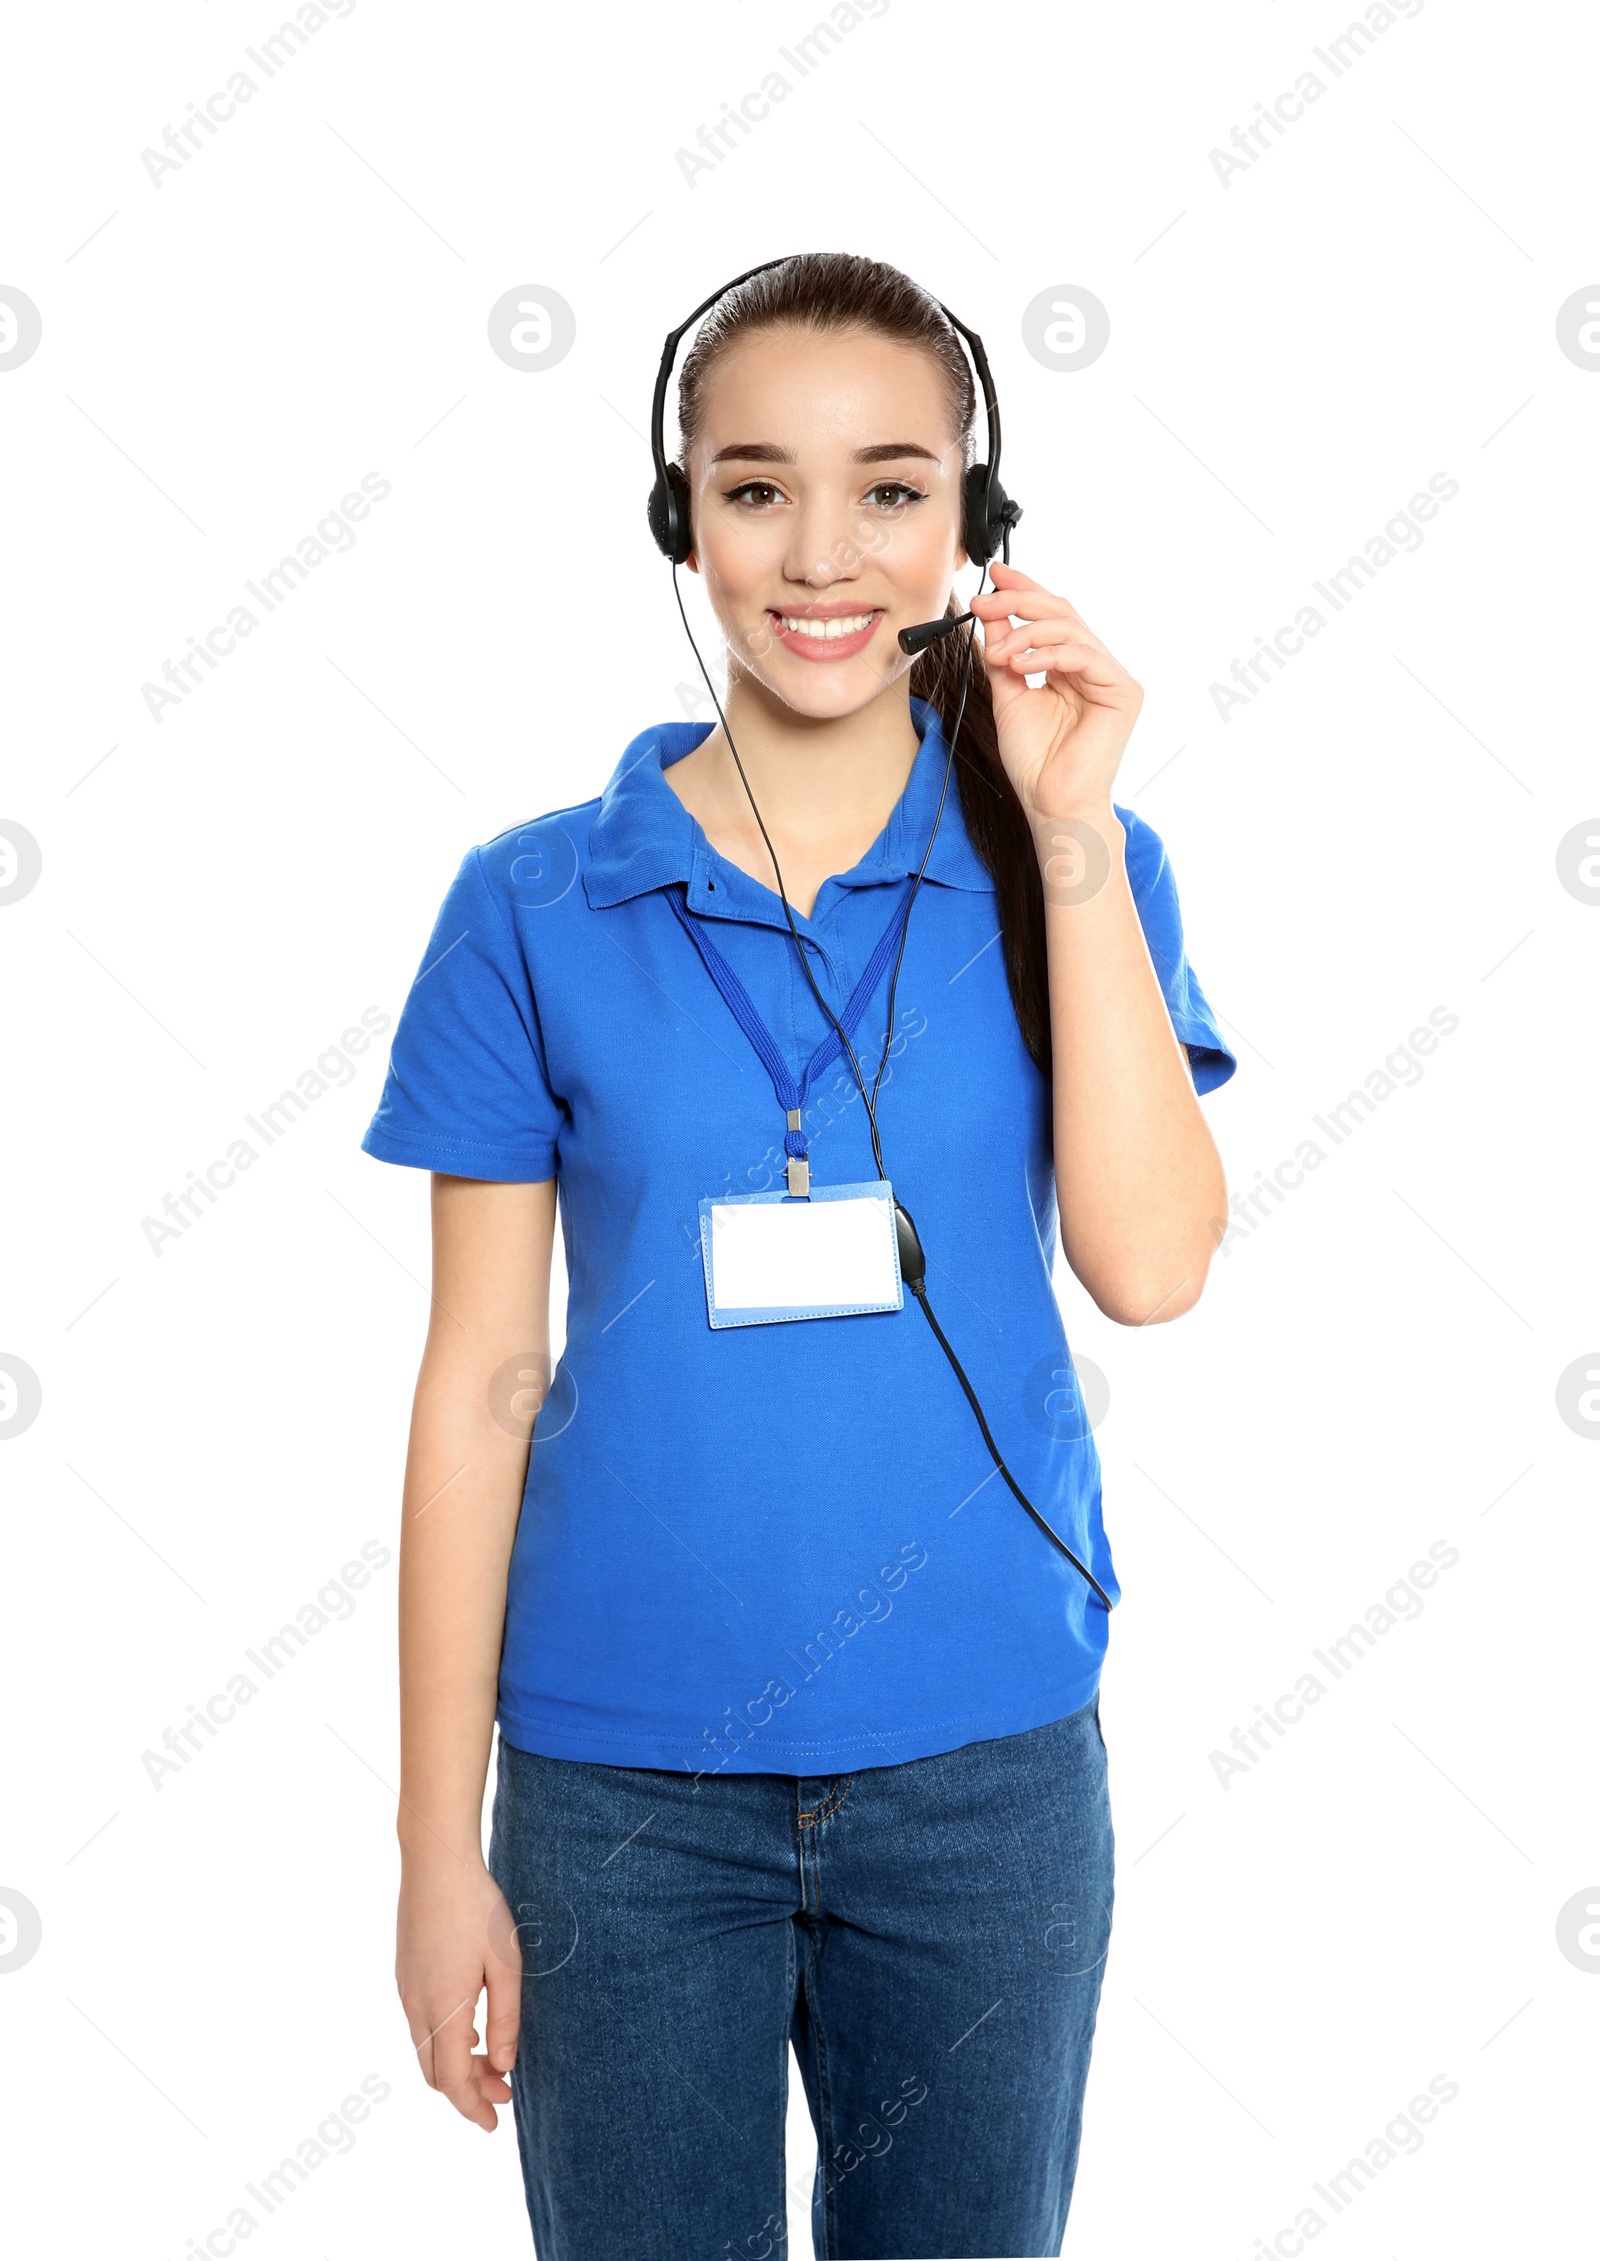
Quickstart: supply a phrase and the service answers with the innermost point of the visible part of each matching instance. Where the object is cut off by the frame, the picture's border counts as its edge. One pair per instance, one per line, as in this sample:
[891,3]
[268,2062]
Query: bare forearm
[1138,1176]
[464,1481]
[484,1373]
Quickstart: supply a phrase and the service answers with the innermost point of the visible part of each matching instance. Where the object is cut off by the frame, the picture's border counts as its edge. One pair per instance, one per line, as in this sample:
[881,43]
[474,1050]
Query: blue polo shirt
[777,1548]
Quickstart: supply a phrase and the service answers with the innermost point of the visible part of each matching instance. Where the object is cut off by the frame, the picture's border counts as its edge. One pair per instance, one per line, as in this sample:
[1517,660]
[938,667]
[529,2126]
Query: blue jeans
[930,1936]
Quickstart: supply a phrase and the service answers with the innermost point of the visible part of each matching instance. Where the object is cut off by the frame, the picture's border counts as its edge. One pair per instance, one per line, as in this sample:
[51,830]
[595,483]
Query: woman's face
[826,487]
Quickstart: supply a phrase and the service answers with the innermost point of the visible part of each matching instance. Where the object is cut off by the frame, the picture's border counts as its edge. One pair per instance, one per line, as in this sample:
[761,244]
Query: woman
[799,1725]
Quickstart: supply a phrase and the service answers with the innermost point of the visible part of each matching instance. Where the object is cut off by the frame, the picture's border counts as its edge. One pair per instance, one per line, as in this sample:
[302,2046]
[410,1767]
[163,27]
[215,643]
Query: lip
[830,647]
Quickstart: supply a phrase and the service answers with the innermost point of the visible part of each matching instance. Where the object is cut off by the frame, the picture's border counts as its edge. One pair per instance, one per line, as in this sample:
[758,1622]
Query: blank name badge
[769,1257]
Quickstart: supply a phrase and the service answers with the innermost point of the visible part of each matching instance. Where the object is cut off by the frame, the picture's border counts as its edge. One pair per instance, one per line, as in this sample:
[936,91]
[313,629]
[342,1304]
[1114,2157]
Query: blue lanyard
[791,1095]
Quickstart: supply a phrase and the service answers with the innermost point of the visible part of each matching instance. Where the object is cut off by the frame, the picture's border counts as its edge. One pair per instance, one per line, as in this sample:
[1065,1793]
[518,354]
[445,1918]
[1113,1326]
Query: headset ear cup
[975,532]
[987,512]
[668,512]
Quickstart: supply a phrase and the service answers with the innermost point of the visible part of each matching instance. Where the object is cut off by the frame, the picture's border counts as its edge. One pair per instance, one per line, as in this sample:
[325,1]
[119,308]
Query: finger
[1006,604]
[452,2065]
[465,2096]
[421,2042]
[1035,637]
[1012,576]
[1062,631]
[1079,661]
[997,603]
[1024,614]
[504,2018]
[424,2024]
[493,2087]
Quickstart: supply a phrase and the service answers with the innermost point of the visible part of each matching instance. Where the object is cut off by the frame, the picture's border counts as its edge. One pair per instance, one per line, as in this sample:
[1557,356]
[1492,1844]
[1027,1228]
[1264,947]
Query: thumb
[503,2021]
[502,1981]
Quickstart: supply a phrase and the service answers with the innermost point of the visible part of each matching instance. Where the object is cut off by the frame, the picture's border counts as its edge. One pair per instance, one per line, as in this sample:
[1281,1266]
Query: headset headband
[987,513]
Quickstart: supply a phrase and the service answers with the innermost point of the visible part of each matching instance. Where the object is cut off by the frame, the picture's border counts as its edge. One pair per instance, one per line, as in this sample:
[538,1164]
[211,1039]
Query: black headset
[987,511]
[987,517]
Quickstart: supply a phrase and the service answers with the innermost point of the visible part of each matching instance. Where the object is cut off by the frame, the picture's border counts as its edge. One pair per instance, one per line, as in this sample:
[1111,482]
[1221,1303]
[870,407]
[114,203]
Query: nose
[824,548]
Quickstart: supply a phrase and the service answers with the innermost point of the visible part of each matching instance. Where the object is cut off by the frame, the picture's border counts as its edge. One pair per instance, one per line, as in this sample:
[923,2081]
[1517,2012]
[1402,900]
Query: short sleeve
[1155,892]
[467,1090]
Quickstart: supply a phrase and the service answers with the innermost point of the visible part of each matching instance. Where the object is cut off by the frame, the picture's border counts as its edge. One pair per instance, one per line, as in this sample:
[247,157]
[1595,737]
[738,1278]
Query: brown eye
[888,494]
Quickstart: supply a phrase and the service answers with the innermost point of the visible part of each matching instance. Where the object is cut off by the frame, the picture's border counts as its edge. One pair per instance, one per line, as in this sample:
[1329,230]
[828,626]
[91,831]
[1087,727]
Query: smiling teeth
[827,630]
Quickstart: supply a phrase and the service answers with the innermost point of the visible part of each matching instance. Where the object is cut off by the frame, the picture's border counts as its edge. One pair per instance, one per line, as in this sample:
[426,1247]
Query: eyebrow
[764,451]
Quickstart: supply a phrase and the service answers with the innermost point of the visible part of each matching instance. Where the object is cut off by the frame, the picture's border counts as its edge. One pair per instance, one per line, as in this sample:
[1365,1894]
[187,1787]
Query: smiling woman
[816,559]
[729,1448]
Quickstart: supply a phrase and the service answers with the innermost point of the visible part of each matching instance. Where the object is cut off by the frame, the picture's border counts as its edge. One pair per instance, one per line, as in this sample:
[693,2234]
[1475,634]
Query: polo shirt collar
[644,838]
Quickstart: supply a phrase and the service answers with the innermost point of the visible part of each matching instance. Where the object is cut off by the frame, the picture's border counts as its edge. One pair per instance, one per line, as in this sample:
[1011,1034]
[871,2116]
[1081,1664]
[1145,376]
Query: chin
[826,694]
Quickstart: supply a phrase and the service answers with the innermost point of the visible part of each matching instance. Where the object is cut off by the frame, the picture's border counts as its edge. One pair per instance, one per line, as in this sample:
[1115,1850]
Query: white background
[1373,1368]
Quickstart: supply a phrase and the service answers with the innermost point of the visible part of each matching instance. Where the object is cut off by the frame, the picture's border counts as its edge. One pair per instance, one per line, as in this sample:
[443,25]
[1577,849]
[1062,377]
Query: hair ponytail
[839,290]
[996,825]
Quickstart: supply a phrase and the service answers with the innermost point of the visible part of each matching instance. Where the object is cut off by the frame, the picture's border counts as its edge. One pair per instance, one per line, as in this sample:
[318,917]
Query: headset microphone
[926,632]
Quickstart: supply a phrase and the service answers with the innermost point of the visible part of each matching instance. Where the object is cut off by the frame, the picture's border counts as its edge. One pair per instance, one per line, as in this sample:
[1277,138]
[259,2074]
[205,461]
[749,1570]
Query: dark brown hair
[838,291]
